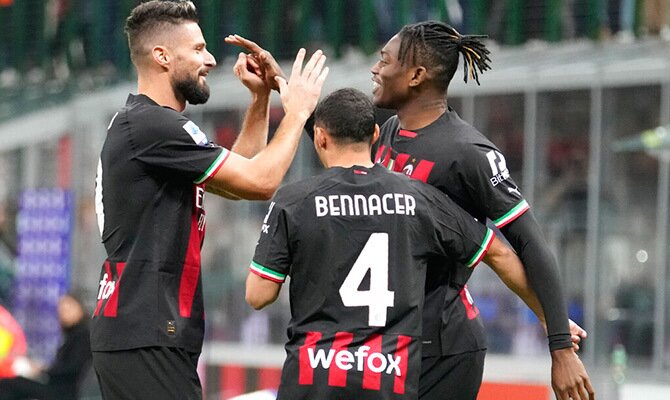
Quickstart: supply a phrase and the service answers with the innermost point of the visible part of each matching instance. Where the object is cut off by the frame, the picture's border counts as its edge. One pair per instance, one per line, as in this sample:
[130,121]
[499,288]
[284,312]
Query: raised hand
[268,66]
[250,73]
[301,93]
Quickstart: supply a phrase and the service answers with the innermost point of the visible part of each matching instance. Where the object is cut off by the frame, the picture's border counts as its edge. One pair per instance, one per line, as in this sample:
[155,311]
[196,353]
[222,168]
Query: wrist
[559,341]
[261,96]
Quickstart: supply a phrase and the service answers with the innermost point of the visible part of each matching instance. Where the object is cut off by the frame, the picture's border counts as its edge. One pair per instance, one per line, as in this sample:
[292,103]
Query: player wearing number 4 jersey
[428,141]
[355,241]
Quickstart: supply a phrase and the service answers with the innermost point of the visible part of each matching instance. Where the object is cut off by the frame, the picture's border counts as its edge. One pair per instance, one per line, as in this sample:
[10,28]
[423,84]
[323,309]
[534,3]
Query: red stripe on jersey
[380,151]
[372,380]
[336,375]
[360,172]
[306,373]
[422,171]
[98,306]
[407,133]
[190,274]
[113,303]
[470,307]
[400,161]
[401,352]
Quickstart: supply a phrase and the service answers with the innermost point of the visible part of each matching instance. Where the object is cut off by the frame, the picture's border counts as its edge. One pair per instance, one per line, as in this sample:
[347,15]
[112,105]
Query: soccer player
[428,141]
[355,241]
[155,166]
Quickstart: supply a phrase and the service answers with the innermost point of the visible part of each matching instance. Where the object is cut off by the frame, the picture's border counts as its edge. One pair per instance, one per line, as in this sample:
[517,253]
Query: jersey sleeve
[485,176]
[175,145]
[459,236]
[272,258]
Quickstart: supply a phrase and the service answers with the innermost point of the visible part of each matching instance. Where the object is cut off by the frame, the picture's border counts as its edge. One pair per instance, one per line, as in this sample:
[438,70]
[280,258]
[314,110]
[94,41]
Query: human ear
[161,56]
[419,74]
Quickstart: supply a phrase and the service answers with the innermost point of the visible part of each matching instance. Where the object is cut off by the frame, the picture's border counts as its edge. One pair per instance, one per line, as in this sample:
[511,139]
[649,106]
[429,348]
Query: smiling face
[391,79]
[191,65]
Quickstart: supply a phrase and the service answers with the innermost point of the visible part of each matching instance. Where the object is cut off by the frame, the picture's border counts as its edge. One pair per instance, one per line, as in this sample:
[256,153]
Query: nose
[375,68]
[210,61]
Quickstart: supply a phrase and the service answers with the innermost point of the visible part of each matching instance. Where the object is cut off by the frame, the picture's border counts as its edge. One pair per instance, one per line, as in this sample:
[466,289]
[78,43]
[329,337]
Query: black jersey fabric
[454,157]
[149,203]
[355,243]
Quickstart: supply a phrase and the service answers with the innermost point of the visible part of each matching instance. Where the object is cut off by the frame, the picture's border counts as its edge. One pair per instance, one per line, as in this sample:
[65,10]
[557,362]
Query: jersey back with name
[355,243]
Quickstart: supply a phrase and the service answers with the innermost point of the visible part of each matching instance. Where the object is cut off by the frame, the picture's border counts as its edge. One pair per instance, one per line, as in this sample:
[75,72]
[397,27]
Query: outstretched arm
[569,377]
[258,178]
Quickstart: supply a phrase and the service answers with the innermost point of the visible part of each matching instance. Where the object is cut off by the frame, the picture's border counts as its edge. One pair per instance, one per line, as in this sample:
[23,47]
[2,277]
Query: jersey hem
[512,214]
[214,167]
[266,273]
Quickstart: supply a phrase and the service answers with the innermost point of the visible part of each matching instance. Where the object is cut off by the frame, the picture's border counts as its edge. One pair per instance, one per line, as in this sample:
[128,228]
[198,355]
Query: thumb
[282,83]
[240,64]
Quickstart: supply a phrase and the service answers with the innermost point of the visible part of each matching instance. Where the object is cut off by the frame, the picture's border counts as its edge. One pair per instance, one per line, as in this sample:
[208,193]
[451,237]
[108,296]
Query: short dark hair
[348,115]
[154,16]
[438,46]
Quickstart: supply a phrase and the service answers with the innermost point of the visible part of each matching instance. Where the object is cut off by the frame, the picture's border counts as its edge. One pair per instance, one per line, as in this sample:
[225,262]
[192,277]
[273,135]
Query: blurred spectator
[627,11]
[656,17]
[61,379]
[54,28]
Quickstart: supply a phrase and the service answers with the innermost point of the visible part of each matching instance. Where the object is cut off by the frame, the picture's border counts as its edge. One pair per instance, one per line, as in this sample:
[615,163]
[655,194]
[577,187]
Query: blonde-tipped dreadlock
[438,45]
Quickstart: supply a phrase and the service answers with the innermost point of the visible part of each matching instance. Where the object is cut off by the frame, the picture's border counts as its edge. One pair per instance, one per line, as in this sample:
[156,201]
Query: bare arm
[260,292]
[254,134]
[258,178]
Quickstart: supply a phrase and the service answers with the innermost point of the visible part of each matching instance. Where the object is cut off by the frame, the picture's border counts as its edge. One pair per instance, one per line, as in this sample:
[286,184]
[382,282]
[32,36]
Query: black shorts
[456,377]
[148,373]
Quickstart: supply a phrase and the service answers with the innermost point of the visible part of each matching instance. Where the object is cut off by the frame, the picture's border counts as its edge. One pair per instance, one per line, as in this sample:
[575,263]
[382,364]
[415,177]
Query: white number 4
[373,257]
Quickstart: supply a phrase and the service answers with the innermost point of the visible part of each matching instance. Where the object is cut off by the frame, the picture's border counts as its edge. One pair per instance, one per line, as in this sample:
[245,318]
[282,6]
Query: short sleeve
[486,178]
[272,258]
[174,144]
[459,236]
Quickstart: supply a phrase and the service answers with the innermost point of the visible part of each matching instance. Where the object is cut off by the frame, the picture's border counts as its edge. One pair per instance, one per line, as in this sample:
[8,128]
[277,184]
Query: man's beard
[191,90]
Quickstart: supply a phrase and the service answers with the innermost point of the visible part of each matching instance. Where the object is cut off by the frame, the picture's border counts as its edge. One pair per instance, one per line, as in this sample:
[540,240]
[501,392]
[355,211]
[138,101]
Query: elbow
[256,302]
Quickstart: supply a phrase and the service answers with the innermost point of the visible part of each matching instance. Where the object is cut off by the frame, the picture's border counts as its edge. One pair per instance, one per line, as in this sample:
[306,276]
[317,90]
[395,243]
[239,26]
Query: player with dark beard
[155,166]
[428,141]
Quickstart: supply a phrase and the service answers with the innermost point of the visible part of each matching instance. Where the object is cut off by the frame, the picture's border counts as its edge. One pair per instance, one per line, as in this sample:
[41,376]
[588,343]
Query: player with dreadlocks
[428,141]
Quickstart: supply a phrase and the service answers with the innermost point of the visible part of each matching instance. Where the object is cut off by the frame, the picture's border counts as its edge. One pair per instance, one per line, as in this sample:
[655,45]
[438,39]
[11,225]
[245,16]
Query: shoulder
[390,125]
[295,193]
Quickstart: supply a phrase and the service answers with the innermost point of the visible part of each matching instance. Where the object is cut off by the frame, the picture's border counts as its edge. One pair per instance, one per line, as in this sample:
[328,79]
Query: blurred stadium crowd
[54,47]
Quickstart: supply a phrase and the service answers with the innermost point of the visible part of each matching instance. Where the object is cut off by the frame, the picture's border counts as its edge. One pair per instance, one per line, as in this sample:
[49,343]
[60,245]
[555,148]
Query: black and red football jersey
[149,203]
[457,159]
[355,243]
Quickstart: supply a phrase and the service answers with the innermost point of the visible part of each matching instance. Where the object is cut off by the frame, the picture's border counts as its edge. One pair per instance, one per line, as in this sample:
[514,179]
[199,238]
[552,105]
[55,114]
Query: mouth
[375,86]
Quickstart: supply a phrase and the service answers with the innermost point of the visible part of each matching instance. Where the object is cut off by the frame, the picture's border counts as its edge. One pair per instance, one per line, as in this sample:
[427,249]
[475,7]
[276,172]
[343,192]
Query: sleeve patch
[266,273]
[196,134]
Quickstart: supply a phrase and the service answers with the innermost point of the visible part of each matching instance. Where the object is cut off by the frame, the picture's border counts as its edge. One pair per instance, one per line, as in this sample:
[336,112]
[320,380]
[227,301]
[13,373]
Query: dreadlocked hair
[439,46]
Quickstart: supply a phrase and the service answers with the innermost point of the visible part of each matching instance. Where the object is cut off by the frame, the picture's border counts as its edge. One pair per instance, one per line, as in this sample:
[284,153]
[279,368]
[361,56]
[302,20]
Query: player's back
[358,240]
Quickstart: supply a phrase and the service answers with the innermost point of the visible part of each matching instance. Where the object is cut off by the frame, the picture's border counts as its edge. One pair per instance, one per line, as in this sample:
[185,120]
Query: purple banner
[44,230]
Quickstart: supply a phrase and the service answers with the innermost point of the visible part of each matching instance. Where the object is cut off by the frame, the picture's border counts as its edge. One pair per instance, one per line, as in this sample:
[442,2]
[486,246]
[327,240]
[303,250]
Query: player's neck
[348,158]
[421,112]
[158,89]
